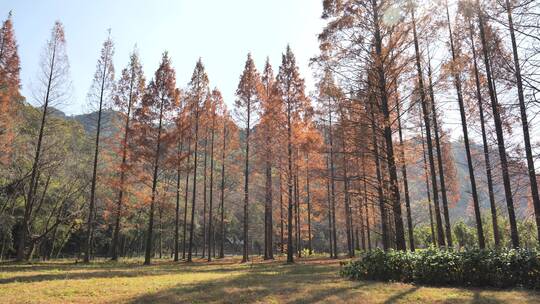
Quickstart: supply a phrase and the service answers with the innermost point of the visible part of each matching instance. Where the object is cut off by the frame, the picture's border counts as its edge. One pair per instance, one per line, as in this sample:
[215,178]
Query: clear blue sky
[222,32]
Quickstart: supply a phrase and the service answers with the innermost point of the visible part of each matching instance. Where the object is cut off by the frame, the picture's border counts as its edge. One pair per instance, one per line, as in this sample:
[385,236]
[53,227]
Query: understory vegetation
[480,268]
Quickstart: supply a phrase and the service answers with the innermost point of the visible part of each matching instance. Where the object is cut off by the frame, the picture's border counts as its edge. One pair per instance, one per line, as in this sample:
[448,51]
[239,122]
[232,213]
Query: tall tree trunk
[23,232]
[222,204]
[186,197]
[487,161]
[382,207]
[245,256]
[366,207]
[524,121]
[177,209]
[428,192]
[194,188]
[405,181]
[290,249]
[89,223]
[499,131]
[308,198]
[211,193]
[328,197]
[149,235]
[347,203]
[204,232]
[116,233]
[440,233]
[268,252]
[457,83]
[392,171]
[332,182]
[281,219]
[440,161]
[296,208]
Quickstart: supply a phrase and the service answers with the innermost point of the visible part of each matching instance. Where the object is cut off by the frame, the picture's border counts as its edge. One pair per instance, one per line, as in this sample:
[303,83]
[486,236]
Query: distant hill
[109,120]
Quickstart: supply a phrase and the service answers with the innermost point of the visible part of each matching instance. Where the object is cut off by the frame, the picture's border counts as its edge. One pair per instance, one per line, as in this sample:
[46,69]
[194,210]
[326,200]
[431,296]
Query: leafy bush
[480,268]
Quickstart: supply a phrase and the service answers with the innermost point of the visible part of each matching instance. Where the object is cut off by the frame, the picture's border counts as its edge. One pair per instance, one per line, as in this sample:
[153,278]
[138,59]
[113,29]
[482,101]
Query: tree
[100,92]
[427,125]
[524,120]
[457,83]
[247,103]
[478,92]
[270,121]
[9,86]
[127,97]
[216,102]
[498,126]
[159,100]
[53,84]
[181,125]
[290,88]
[225,132]
[197,93]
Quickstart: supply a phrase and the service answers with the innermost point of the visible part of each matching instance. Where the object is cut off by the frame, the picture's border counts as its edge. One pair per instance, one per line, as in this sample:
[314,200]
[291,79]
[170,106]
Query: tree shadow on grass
[399,296]
[71,271]
[261,283]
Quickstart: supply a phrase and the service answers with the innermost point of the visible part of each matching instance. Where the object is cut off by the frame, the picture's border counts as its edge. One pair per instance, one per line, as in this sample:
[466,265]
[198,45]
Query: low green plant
[480,268]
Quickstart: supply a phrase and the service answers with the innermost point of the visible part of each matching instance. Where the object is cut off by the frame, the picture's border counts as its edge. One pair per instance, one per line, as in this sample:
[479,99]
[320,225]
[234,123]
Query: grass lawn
[223,281]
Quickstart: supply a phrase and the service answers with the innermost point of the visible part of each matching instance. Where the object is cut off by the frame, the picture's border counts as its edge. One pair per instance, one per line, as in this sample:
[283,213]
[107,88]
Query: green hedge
[479,268]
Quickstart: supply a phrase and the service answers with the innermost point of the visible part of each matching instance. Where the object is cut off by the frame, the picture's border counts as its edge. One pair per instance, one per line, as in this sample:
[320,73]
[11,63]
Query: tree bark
[524,121]
[149,236]
[499,131]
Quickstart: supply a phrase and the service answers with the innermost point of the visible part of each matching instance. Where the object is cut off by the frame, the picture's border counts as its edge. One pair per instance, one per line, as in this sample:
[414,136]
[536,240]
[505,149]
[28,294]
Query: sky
[221,32]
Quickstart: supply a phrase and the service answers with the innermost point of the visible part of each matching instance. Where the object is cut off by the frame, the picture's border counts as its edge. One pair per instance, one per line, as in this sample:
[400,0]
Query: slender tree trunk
[210,205]
[290,249]
[245,256]
[308,198]
[186,197]
[405,181]
[332,183]
[366,207]
[440,161]
[116,233]
[222,207]
[457,83]
[177,210]
[268,252]
[428,193]
[281,219]
[440,233]
[499,132]
[491,193]
[89,224]
[346,197]
[194,189]
[382,207]
[347,203]
[392,171]
[524,121]
[149,236]
[298,232]
[204,231]
[328,196]
[23,232]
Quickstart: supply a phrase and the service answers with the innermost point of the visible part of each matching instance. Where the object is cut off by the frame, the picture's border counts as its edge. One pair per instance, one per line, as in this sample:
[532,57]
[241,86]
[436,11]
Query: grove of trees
[421,131]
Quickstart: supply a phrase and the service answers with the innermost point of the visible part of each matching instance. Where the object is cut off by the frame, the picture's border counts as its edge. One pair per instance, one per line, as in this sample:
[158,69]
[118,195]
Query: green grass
[226,281]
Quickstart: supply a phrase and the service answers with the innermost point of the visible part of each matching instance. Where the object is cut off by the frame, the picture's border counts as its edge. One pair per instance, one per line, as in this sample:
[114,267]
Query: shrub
[480,268]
